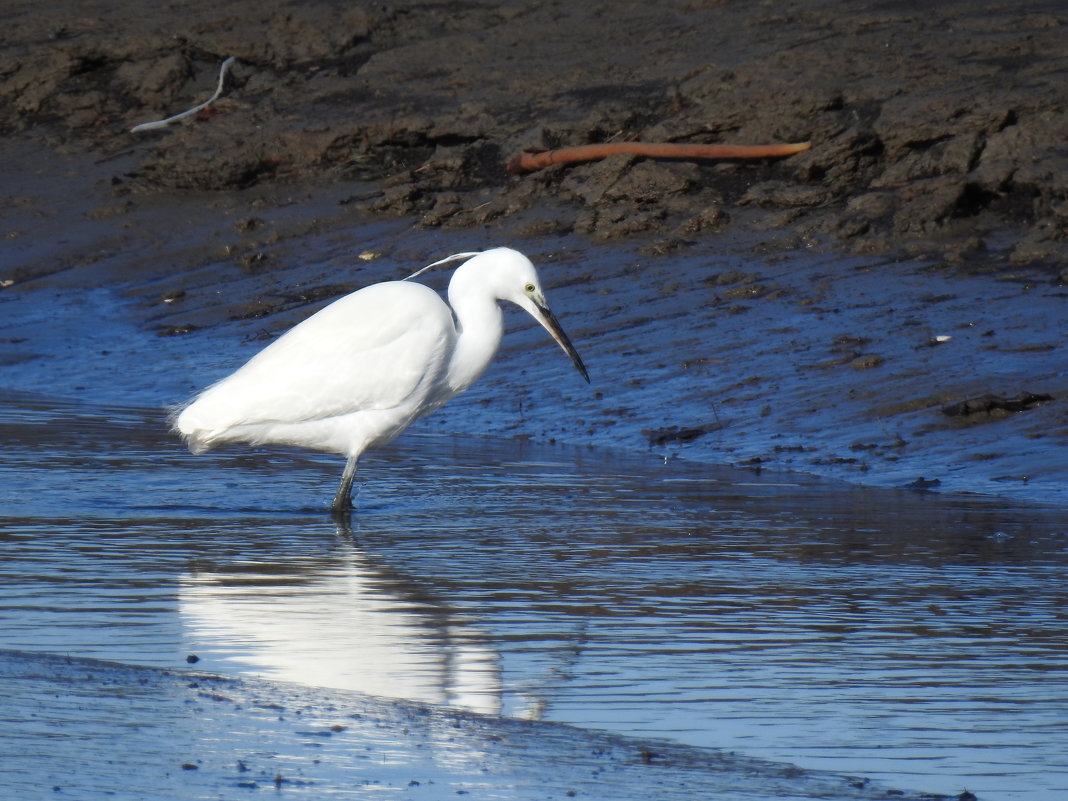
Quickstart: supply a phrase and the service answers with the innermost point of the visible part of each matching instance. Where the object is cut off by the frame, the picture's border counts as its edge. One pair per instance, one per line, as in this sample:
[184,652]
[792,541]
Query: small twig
[531,161]
[473,209]
[150,126]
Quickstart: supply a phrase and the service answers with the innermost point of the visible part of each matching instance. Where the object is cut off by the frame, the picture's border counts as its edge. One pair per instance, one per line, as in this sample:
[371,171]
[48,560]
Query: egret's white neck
[479,328]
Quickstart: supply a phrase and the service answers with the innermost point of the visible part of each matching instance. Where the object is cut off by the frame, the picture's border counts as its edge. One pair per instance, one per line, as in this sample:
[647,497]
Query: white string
[149,126]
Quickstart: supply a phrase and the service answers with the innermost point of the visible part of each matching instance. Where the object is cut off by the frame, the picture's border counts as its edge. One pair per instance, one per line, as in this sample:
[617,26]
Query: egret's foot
[342,519]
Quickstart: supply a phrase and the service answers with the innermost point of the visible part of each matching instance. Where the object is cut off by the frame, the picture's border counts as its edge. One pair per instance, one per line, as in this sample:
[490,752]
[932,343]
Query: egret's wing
[373,349]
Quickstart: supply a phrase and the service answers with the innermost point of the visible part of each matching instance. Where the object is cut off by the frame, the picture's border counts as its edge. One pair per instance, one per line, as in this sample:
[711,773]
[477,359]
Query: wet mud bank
[916,252]
[879,372]
[200,734]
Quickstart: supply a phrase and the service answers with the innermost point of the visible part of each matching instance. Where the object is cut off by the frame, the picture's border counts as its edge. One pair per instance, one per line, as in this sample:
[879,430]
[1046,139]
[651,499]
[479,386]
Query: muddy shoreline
[385,130]
[936,132]
[206,734]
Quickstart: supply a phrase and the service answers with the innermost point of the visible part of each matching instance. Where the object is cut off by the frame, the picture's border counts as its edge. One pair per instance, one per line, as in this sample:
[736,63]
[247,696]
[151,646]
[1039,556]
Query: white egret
[357,373]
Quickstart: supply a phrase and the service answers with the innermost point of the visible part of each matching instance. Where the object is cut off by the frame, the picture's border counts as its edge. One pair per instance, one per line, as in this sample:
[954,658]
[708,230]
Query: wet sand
[190,735]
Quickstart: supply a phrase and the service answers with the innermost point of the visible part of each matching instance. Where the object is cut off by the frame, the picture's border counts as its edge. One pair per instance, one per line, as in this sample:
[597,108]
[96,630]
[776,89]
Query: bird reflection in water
[339,622]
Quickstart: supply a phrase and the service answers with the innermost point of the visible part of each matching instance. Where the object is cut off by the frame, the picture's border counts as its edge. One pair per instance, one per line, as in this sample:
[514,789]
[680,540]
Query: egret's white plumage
[357,373]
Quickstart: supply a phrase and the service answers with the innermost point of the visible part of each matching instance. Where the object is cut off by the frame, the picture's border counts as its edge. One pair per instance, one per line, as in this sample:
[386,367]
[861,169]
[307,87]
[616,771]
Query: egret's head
[511,276]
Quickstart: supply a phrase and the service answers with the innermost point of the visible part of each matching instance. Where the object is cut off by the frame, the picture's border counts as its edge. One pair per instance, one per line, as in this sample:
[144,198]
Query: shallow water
[919,639]
[913,638]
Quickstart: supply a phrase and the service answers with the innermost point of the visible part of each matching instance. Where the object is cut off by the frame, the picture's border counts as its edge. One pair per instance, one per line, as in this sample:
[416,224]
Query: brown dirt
[936,129]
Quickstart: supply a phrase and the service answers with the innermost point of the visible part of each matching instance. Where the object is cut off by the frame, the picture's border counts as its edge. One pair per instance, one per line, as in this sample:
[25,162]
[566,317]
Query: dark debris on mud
[936,130]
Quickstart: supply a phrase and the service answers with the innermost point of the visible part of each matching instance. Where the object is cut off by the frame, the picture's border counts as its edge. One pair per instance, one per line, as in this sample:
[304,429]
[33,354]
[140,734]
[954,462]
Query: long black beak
[552,325]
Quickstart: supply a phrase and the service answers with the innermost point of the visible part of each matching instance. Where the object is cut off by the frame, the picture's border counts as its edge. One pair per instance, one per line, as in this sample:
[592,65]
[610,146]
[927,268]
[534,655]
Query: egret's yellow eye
[529,288]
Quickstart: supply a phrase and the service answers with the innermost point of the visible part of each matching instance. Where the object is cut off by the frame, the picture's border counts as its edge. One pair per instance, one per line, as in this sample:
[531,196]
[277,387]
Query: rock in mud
[993,407]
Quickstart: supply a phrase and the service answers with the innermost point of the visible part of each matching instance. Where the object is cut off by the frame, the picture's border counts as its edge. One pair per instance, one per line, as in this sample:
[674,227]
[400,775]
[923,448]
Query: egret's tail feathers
[197,442]
[198,438]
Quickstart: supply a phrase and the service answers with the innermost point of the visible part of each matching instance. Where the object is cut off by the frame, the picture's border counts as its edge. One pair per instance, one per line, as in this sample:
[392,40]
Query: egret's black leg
[342,504]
